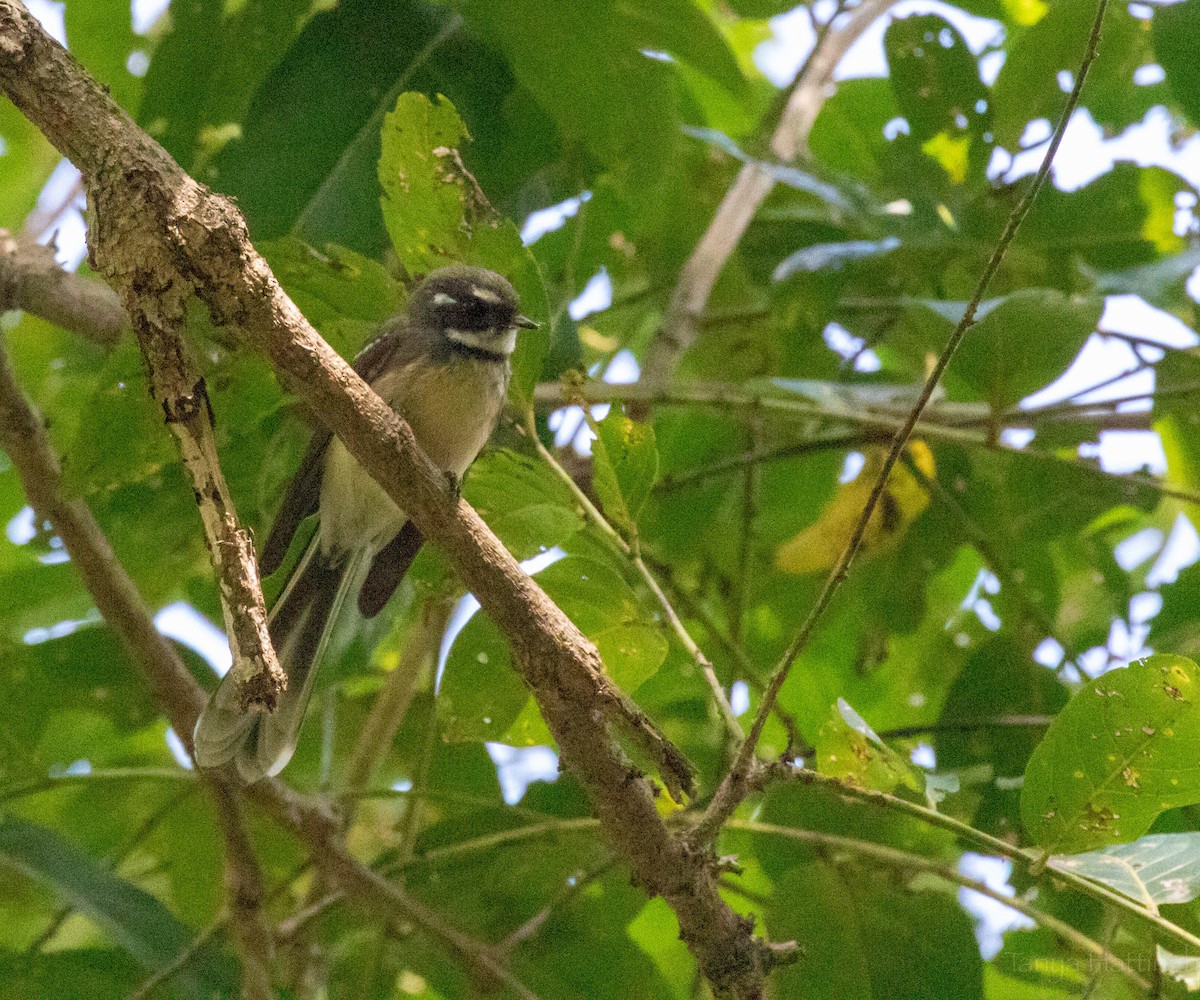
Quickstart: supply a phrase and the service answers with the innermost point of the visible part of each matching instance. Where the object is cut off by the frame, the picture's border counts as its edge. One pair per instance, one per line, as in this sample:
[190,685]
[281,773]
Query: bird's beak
[525,323]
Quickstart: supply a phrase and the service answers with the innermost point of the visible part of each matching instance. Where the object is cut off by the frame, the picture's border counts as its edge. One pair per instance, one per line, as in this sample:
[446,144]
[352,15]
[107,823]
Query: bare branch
[244,893]
[175,384]
[733,216]
[31,280]
[130,179]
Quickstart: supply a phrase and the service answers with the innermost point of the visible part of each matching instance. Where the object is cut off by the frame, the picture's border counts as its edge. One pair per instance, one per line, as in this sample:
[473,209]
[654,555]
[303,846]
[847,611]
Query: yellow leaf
[1026,12]
[951,153]
[819,546]
[1157,189]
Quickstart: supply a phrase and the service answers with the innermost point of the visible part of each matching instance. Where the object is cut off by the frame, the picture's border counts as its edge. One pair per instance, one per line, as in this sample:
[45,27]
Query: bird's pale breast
[452,409]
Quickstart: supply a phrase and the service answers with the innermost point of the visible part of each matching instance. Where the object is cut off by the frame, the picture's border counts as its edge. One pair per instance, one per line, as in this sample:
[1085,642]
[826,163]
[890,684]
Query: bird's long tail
[260,742]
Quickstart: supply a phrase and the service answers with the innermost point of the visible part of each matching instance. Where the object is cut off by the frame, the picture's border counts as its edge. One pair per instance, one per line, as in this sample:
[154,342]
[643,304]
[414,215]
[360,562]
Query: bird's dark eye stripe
[470,313]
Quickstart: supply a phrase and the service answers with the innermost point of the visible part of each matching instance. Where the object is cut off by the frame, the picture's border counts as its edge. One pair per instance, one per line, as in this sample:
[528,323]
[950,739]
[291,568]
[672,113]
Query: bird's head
[472,307]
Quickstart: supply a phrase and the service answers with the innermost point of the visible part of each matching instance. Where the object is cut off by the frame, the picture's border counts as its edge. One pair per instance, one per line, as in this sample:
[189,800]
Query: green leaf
[1118,755]
[626,463]
[26,161]
[134,919]
[523,501]
[436,214]
[1027,87]
[1153,870]
[98,974]
[207,70]
[1024,342]
[481,693]
[586,67]
[1174,28]
[849,749]
[857,923]
[936,81]
[631,653]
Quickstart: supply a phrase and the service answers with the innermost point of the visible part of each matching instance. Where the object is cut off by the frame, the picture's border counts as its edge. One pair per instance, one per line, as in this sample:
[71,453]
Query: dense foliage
[981,625]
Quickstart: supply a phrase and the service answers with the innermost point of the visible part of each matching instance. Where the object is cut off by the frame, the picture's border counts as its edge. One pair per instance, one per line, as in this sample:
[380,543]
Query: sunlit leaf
[1156,869]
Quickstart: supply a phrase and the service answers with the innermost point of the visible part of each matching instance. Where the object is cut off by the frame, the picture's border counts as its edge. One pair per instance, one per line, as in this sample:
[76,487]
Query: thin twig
[895,858]
[574,886]
[183,396]
[694,606]
[736,782]
[947,726]
[632,551]
[746,537]
[1031,861]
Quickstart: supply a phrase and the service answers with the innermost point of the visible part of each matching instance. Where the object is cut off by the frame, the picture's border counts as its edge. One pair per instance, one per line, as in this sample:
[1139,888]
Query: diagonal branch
[131,179]
[749,190]
[737,782]
[159,316]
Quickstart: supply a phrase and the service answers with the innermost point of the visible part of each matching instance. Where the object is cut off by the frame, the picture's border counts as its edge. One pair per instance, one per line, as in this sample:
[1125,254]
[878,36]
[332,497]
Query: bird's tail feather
[259,742]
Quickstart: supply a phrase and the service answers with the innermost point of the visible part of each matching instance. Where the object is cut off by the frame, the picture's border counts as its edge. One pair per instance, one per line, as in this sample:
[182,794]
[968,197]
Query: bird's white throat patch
[485,340]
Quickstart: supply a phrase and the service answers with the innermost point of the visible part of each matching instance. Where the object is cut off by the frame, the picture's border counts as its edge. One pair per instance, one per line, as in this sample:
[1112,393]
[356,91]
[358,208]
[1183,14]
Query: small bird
[444,367]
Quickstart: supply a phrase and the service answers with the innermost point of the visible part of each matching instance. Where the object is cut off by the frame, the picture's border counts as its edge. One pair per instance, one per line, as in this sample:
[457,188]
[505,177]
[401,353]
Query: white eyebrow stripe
[442,299]
[485,295]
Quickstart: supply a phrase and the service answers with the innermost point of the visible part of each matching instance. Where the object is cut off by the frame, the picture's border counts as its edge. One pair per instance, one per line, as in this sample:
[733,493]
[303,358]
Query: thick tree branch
[31,280]
[131,179]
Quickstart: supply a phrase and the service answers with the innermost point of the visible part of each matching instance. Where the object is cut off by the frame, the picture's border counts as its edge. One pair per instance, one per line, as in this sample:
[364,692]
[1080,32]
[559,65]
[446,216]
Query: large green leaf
[131,917]
[1118,755]
[209,67]
[481,696]
[1024,342]
[1174,28]
[1027,87]
[936,79]
[100,35]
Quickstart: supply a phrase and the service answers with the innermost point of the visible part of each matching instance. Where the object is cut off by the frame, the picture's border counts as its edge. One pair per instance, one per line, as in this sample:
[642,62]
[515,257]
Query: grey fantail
[444,367]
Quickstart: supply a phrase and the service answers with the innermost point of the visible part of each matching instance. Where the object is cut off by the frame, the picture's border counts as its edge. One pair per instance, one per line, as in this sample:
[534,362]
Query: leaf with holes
[436,214]
[1122,751]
